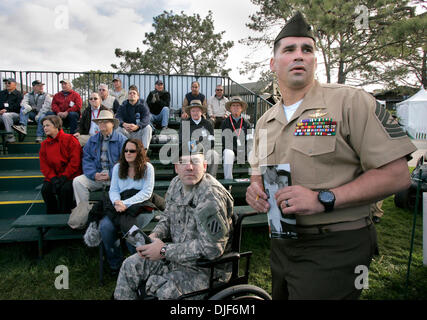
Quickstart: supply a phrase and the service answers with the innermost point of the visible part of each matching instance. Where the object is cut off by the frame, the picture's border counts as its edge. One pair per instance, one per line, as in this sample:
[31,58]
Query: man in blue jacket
[100,154]
[134,117]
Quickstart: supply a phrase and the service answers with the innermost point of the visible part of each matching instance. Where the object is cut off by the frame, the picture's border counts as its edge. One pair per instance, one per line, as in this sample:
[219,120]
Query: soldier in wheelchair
[198,222]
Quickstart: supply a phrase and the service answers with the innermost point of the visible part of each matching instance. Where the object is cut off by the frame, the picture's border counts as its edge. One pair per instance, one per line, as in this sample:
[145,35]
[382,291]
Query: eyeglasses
[131,151]
[93,98]
[102,89]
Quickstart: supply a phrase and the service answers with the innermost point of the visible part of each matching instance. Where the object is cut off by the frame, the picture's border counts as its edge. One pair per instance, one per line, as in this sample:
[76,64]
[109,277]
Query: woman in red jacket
[60,162]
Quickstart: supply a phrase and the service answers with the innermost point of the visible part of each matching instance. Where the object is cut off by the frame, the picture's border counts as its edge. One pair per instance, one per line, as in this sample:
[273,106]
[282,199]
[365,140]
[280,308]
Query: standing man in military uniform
[199,219]
[345,152]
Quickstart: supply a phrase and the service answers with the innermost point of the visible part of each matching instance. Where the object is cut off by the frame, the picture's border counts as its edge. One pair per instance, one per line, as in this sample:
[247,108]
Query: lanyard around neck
[241,124]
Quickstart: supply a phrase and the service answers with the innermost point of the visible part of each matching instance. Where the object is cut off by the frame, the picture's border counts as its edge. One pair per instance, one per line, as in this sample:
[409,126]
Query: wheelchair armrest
[228,257]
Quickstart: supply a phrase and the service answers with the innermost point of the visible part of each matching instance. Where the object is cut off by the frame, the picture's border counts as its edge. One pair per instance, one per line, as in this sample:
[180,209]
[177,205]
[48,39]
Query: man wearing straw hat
[234,135]
[200,129]
[100,154]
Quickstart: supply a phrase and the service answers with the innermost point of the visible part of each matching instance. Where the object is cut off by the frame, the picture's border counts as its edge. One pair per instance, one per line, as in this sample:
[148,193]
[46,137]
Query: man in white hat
[200,129]
[235,133]
[100,154]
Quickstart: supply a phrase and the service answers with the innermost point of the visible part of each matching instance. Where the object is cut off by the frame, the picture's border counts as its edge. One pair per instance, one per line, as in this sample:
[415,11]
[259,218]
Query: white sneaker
[10,139]
[39,139]
[20,129]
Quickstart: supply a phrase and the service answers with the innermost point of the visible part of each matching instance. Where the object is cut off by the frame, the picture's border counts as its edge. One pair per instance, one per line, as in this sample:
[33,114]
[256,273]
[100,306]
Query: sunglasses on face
[130,151]
[93,98]
[219,90]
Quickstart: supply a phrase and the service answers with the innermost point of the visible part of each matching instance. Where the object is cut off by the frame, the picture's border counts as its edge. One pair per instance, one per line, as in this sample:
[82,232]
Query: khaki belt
[341,226]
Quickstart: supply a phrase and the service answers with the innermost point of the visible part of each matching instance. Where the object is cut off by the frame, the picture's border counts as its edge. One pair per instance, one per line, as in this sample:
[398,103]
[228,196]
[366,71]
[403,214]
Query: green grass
[22,276]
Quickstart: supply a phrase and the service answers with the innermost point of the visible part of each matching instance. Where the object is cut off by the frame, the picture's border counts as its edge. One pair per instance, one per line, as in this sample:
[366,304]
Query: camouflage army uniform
[200,224]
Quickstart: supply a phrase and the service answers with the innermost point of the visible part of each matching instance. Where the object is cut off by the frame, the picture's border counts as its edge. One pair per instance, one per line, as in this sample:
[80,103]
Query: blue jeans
[162,117]
[110,238]
[23,120]
[72,120]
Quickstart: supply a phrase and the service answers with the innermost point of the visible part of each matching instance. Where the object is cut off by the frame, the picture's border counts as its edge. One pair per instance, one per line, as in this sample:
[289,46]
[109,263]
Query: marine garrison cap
[296,27]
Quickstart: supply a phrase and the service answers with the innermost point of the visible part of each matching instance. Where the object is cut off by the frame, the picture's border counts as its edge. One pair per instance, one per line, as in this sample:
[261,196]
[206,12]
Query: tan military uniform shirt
[366,138]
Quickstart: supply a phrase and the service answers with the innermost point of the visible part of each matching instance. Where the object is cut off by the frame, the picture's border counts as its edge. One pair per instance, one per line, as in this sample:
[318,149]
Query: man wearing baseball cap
[67,105]
[34,106]
[118,92]
[10,100]
[158,102]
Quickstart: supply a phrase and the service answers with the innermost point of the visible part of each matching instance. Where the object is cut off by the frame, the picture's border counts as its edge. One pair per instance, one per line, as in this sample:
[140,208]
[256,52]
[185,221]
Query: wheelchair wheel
[242,292]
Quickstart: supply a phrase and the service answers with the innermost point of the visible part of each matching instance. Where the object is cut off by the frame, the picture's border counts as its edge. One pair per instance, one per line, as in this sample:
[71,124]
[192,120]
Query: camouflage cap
[296,27]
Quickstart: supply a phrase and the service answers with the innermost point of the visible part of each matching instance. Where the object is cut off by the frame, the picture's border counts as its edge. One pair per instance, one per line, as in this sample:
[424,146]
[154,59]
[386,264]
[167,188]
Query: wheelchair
[237,288]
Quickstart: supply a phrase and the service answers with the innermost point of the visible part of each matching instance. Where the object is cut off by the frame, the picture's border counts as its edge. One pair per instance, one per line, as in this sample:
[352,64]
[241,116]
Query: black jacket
[205,132]
[13,99]
[85,121]
[161,99]
[127,219]
[130,113]
[227,125]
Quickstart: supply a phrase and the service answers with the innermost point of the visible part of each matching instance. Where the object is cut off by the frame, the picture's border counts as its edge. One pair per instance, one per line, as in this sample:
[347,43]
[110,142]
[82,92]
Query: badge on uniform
[316,125]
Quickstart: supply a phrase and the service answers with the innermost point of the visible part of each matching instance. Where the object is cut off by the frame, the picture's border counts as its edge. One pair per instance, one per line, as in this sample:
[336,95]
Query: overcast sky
[35,34]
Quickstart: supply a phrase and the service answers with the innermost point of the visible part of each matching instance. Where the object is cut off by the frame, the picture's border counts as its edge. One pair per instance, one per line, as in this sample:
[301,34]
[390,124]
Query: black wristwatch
[327,198]
[163,251]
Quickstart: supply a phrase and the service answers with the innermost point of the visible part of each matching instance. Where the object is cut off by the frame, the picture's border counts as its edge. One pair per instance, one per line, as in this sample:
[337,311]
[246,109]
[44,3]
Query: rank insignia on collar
[318,114]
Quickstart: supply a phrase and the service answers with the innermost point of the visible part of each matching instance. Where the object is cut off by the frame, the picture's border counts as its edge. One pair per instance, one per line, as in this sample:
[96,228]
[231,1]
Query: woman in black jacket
[87,128]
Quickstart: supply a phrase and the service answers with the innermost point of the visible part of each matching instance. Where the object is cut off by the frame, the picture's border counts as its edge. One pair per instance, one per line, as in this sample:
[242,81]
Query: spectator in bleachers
[193,95]
[108,100]
[158,102]
[10,100]
[34,106]
[132,183]
[67,105]
[216,107]
[87,127]
[100,154]
[60,163]
[234,135]
[200,129]
[134,118]
[119,93]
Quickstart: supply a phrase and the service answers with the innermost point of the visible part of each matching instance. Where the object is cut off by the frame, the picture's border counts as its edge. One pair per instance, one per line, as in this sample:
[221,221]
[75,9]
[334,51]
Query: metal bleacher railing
[178,85]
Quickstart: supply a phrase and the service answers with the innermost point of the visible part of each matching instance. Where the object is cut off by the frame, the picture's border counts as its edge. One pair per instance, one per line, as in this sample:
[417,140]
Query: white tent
[412,114]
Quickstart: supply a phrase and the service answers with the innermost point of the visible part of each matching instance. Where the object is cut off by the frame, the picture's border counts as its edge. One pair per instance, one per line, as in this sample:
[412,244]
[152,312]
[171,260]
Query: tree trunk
[424,70]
